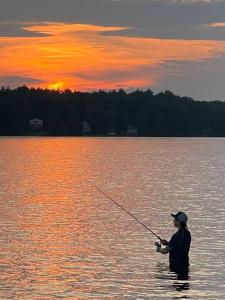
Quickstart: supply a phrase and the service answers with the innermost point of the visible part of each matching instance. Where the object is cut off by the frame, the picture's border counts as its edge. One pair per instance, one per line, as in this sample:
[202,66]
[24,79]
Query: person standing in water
[178,246]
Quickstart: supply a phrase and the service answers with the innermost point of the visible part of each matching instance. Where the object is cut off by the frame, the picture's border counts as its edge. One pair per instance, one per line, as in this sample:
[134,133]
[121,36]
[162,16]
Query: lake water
[60,238]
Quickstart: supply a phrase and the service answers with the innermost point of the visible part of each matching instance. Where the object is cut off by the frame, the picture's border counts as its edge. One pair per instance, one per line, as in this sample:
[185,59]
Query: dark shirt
[179,248]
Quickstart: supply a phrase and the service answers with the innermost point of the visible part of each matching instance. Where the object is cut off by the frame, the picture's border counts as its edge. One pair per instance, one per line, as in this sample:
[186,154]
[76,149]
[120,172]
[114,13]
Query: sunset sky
[89,45]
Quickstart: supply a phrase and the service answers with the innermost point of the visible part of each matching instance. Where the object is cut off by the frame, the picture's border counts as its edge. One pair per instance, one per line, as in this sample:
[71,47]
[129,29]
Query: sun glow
[60,85]
[89,57]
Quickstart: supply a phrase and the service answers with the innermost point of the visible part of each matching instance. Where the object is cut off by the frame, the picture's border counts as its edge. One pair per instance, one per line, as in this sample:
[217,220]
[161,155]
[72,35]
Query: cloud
[114,79]
[162,18]
[78,56]
[15,29]
[15,81]
[108,75]
[218,24]
[194,32]
[91,44]
[202,80]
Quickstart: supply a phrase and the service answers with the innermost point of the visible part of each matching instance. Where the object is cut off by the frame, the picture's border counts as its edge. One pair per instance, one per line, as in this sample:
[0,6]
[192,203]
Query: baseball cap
[180,216]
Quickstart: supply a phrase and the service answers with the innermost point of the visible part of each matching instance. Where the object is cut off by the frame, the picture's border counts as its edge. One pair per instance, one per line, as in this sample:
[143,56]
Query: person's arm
[169,245]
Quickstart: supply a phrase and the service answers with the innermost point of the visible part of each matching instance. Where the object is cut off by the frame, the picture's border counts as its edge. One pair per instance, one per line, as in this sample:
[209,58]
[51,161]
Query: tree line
[62,112]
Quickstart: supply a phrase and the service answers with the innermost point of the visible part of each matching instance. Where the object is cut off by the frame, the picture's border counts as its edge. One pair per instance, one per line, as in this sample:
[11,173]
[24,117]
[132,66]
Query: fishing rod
[130,214]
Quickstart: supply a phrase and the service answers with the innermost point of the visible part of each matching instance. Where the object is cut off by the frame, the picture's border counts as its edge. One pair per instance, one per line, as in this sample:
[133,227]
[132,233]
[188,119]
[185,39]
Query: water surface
[63,239]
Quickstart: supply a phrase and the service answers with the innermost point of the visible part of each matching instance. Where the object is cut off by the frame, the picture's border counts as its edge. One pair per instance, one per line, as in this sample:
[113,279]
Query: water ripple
[62,239]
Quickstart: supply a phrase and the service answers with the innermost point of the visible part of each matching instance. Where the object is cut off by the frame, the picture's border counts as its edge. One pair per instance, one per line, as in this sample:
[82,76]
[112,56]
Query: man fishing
[178,246]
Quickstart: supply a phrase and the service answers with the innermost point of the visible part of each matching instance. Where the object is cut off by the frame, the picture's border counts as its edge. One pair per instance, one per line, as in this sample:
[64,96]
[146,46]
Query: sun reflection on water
[61,238]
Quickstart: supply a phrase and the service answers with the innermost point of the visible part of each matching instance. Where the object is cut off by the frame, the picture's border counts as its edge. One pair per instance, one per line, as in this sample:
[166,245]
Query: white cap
[180,216]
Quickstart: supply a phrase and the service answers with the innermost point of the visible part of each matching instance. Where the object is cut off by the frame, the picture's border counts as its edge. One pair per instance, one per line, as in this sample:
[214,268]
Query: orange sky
[87,57]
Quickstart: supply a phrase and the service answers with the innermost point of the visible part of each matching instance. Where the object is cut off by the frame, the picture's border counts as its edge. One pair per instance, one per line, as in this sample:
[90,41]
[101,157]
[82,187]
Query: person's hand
[158,247]
[164,242]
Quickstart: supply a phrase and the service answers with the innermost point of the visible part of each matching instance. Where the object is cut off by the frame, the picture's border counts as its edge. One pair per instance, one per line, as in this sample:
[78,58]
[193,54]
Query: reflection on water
[174,283]
[62,239]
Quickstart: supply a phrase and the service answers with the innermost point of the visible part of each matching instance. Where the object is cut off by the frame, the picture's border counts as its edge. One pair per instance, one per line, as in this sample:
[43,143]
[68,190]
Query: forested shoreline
[108,113]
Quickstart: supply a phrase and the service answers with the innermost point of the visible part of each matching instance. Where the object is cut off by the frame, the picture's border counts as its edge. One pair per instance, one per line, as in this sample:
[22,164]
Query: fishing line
[130,214]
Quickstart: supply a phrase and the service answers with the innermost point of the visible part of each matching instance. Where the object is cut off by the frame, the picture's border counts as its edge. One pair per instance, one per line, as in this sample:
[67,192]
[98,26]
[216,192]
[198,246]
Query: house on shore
[131,130]
[86,128]
[36,124]
[111,132]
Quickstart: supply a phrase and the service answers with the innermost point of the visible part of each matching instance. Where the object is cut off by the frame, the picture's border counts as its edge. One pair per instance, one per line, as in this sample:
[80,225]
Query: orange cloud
[218,24]
[77,56]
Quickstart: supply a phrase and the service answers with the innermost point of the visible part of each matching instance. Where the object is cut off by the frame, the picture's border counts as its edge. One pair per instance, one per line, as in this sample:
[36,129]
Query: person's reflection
[182,272]
[179,279]
[181,286]
[182,276]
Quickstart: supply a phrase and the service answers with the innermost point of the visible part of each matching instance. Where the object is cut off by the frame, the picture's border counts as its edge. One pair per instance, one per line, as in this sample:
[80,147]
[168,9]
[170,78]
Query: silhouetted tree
[163,114]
